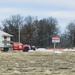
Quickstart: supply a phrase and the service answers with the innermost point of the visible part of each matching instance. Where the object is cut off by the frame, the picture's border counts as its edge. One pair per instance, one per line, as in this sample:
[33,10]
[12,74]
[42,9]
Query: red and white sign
[55,39]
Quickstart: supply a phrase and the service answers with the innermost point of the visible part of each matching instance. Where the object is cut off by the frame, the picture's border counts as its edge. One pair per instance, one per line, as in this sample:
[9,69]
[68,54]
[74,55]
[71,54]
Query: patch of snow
[31,51]
[68,50]
[41,49]
[45,50]
[58,51]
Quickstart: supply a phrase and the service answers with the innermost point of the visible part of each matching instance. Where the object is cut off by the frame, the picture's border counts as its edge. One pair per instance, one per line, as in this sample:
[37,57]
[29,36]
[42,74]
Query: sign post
[55,40]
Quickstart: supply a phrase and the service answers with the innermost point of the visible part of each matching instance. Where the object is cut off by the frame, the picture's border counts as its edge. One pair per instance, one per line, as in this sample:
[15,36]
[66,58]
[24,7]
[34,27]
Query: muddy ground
[36,63]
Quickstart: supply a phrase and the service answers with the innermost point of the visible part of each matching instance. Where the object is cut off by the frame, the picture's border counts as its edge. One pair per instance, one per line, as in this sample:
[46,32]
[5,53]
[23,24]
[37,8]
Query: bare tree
[33,31]
[46,28]
[28,30]
[71,33]
[12,24]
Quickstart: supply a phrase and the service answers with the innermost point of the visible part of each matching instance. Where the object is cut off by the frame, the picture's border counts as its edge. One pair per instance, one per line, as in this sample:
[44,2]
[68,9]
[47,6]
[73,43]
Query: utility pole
[53,65]
[19,32]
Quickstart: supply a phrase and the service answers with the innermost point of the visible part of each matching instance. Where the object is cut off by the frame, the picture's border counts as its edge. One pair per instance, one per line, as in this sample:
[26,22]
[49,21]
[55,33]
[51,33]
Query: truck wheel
[26,49]
[5,49]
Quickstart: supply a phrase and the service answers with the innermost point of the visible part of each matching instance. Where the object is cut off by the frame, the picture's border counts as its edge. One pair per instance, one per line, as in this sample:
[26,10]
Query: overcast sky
[62,10]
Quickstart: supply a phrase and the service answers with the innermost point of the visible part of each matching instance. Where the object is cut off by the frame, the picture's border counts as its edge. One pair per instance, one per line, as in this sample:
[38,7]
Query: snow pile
[69,50]
[45,50]
[31,51]
[57,51]
[41,49]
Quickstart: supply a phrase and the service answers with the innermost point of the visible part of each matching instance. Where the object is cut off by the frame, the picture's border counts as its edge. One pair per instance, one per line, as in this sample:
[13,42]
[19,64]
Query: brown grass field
[36,63]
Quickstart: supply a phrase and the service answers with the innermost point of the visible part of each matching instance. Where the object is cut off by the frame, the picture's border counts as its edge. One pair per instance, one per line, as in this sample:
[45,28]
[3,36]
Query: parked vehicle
[33,48]
[20,46]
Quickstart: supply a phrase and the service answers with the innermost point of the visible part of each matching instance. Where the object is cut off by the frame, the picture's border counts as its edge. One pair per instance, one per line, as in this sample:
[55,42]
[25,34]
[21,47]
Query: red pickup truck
[20,46]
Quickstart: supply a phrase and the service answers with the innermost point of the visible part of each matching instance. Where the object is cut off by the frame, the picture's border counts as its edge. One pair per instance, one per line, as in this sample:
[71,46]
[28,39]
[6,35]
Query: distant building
[5,39]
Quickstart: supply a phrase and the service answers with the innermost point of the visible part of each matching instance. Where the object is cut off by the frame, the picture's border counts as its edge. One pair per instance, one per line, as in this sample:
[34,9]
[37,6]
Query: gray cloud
[63,10]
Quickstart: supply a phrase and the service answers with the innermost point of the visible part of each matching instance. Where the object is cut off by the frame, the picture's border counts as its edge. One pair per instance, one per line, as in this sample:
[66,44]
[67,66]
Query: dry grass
[36,63]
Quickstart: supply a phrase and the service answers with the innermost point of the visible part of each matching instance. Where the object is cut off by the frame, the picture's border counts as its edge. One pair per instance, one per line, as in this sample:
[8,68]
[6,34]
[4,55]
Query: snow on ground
[57,51]
[41,49]
[69,49]
[45,50]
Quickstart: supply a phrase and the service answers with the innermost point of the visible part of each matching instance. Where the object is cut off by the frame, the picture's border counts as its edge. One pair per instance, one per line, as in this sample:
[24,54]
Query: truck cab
[20,46]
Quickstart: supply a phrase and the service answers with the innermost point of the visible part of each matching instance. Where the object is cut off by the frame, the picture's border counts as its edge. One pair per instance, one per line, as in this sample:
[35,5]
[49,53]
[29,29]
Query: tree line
[38,32]
[68,37]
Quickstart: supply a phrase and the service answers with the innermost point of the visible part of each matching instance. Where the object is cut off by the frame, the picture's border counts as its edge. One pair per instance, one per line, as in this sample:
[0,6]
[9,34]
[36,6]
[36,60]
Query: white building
[5,39]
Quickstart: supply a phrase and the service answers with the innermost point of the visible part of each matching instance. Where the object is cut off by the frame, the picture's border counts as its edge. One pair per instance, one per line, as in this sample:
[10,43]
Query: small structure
[5,39]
